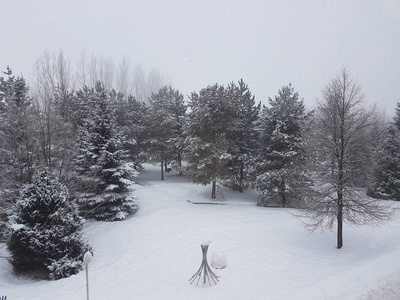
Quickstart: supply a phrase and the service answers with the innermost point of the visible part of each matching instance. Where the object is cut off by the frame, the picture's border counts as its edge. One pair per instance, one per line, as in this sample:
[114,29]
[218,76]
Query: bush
[44,231]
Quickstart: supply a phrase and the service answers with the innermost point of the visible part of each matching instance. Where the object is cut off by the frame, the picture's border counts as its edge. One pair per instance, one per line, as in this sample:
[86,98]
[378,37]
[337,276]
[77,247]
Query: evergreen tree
[64,102]
[45,231]
[396,119]
[166,116]
[243,138]
[82,102]
[17,133]
[18,140]
[207,145]
[387,173]
[101,163]
[130,118]
[280,174]
[177,113]
[63,134]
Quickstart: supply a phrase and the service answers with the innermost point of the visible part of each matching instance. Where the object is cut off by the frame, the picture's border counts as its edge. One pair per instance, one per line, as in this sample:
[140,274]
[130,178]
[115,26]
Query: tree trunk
[162,170]
[283,193]
[180,162]
[340,206]
[48,138]
[341,178]
[214,189]
[340,225]
[241,177]
[214,178]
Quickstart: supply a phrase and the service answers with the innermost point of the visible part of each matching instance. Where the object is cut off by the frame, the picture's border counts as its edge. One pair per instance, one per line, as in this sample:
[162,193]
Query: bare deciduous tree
[123,78]
[145,84]
[81,74]
[341,131]
[88,72]
[51,73]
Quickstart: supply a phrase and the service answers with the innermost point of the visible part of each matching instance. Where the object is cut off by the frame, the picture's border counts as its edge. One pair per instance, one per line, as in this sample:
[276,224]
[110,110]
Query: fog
[197,43]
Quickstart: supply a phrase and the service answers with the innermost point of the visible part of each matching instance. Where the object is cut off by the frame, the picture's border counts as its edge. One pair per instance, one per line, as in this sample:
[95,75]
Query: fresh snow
[154,253]
[16,226]
[206,242]
[218,261]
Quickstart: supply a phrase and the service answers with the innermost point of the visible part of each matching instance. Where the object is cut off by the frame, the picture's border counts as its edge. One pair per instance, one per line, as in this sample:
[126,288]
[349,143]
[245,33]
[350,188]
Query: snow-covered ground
[269,254]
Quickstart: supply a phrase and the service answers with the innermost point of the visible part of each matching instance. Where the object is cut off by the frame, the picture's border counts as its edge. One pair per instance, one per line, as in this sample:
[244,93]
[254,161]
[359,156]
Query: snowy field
[270,255]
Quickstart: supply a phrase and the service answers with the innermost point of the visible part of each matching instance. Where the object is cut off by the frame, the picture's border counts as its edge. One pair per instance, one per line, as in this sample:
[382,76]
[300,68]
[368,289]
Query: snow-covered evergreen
[44,231]
[280,173]
[17,141]
[211,116]
[243,137]
[387,173]
[102,163]
[166,114]
[130,117]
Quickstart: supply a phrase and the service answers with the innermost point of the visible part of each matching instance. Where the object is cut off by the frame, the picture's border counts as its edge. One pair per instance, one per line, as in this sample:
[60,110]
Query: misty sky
[197,43]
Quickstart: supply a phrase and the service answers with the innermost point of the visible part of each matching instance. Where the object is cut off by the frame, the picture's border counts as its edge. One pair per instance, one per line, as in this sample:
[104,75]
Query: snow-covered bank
[270,255]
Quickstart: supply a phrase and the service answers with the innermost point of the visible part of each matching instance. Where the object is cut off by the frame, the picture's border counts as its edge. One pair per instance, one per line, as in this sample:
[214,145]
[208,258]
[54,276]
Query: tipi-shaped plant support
[205,274]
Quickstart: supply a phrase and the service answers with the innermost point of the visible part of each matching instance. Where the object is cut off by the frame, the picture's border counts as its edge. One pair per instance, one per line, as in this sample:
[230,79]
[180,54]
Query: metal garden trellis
[205,273]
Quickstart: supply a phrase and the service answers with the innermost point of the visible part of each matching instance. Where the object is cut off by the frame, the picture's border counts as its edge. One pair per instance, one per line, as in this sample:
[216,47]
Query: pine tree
[101,163]
[166,116]
[64,102]
[396,119]
[207,145]
[18,140]
[130,118]
[387,173]
[177,113]
[243,138]
[17,136]
[280,173]
[45,231]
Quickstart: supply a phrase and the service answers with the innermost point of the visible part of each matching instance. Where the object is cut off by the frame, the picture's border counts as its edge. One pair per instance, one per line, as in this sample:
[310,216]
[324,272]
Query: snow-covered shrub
[218,261]
[44,231]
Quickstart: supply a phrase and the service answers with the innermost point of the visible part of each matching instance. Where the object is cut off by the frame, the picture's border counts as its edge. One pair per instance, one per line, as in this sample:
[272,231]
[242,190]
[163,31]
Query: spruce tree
[45,231]
[17,136]
[280,175]
[101,163]
[18,140]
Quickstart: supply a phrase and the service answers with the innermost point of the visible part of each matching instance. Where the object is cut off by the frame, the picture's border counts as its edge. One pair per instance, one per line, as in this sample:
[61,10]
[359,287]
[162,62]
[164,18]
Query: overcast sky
[197,43]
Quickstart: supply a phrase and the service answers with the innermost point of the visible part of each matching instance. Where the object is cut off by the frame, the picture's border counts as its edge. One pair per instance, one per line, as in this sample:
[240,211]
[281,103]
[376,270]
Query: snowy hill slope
[270,255]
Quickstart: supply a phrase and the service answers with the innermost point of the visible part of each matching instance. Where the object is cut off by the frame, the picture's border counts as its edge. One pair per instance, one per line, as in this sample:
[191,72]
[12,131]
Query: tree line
[334,162]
